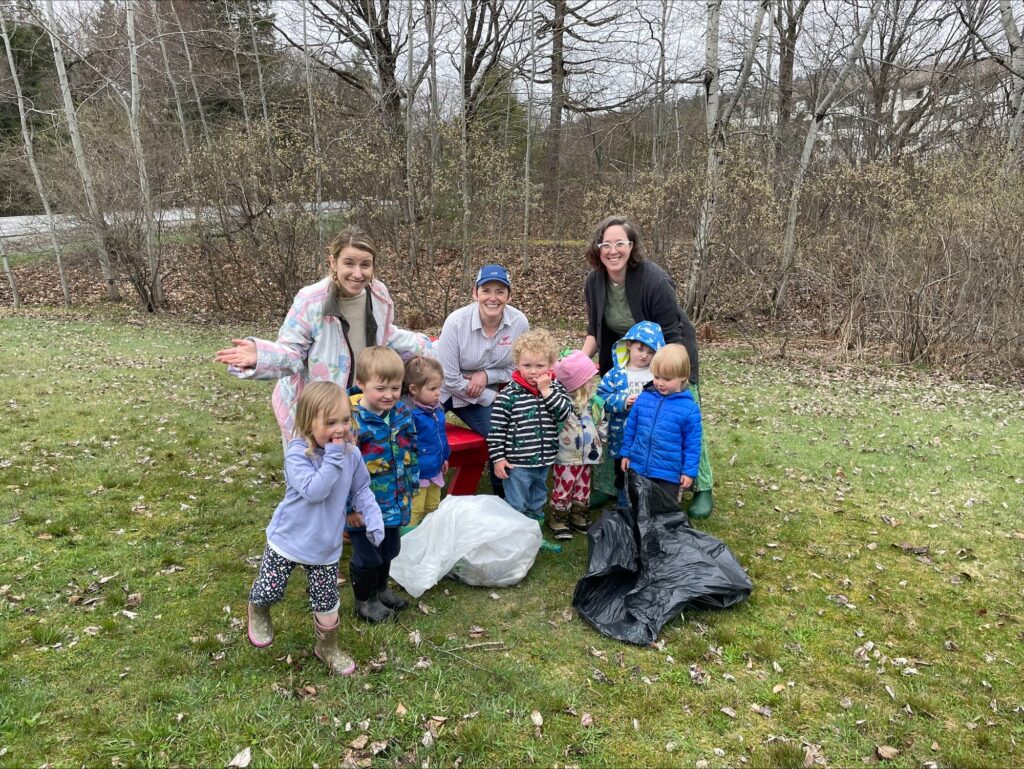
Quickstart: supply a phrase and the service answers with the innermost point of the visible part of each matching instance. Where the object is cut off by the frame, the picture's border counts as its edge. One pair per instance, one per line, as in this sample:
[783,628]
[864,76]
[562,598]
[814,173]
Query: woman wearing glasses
[624,289]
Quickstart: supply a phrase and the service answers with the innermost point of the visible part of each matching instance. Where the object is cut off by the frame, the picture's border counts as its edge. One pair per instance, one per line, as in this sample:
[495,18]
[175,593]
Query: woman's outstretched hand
[242,355]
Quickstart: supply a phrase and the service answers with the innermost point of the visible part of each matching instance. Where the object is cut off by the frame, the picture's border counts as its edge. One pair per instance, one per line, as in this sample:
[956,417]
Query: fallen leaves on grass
[241,760]
[886,752]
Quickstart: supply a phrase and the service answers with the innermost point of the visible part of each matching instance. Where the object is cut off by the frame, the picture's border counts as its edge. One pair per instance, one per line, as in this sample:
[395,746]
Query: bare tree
[789,15]
[821,112]
[44,196]
[15,296]
[97,223]
[716,124]
[151,287]
[527,184]
[192,75]
[1013,39]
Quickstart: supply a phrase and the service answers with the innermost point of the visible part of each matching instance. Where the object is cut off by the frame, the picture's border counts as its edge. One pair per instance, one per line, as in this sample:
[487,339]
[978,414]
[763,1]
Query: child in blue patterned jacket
[630,373]
[423,379]
[386,437]
[662,436]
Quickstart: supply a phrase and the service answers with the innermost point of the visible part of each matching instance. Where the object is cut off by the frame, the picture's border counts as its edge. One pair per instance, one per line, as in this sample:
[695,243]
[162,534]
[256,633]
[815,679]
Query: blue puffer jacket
[431,438]
[614,387]
[662,437]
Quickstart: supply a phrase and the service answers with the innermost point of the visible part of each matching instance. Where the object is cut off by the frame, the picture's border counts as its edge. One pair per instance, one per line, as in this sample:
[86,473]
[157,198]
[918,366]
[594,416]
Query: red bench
[468,457]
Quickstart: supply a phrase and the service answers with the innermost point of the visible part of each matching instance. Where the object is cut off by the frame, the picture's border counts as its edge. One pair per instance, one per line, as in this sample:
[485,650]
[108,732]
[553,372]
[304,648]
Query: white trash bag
[481,538]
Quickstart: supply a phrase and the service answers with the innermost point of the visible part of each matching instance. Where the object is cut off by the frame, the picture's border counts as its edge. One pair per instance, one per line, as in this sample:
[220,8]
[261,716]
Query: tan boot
[261,629]
[327,651]
[559,525]
[579,516]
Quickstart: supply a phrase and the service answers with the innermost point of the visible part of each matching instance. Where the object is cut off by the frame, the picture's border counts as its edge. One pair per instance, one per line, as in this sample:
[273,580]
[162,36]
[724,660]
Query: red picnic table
[468,457]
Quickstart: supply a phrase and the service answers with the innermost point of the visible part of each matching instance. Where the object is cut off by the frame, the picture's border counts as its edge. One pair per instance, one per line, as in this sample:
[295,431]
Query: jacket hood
[645,331]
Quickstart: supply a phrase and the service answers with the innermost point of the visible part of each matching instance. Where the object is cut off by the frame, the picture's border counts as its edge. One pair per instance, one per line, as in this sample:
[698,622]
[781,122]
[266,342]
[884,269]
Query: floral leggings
[273,579]
[572,484]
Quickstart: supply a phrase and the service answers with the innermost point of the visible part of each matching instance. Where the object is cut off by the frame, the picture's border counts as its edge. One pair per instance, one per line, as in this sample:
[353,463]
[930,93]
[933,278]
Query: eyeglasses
[620,244]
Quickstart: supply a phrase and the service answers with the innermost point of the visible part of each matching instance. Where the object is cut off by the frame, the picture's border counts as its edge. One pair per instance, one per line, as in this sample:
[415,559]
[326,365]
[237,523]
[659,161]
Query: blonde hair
[671,362]
[536,340]
[381,363]
[317,399]
[581,395]
[419,370]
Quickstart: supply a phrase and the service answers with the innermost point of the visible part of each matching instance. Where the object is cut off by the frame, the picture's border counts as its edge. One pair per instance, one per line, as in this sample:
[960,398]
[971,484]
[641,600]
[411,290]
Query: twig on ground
[459,657]
[15,519]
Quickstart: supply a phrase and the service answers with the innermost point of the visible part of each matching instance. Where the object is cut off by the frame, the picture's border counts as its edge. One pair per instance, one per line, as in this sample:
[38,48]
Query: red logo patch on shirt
[505,340]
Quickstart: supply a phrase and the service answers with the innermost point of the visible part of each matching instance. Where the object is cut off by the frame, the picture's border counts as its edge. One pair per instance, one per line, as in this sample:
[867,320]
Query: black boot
[392,600]
[372,610]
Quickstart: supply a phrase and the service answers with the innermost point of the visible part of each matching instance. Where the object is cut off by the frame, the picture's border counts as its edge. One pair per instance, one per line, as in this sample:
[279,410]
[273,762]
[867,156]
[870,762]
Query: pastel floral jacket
[312,347]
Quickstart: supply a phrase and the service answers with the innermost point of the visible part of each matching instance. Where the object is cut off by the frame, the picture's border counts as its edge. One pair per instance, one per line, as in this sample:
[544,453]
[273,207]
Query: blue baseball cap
[490,272]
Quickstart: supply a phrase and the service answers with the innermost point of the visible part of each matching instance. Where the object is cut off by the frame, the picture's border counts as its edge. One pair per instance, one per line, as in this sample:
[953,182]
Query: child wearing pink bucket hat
[580,445]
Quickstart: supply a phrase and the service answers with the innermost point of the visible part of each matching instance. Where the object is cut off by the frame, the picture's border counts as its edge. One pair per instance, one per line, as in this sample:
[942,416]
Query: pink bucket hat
[575,370]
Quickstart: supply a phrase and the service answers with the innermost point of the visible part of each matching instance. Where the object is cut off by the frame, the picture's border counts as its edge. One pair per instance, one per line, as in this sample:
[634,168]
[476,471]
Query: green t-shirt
[616,309]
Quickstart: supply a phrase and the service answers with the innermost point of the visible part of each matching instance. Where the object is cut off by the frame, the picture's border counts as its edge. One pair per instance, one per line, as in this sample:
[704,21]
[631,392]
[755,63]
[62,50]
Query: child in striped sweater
[523,441]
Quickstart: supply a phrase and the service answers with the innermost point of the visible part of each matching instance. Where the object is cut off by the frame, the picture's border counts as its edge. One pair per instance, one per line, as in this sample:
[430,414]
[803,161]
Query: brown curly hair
[636,254]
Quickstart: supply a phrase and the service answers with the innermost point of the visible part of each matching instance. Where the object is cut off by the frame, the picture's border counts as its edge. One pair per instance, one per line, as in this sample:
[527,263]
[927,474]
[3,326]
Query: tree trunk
[317,181]
[430,8]
[97,223]
[552,181]
[464,158]
[716,127]
[410,188]
[154,282]
[820,113]
[1013,39]
[44,197]
[529,139]
[788,18]
[16,297]
[192,76]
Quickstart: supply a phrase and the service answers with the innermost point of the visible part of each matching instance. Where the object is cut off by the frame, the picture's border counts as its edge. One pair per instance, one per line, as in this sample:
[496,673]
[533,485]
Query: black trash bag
[647,564]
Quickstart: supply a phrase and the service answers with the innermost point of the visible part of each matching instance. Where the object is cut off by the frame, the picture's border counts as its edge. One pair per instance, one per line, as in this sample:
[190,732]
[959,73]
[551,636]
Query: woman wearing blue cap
[475,350]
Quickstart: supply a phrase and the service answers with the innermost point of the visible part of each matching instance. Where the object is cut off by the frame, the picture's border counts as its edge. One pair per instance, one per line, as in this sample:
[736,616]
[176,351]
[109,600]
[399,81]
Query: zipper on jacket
[647,461]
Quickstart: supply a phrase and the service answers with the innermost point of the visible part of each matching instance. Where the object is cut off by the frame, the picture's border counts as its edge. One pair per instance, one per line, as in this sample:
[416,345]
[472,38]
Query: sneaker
[550,547]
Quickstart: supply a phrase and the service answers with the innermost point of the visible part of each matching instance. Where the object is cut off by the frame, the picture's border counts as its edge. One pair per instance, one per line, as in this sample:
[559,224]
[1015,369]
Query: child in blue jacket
[661,441]
[423,379]
[386,437]
[620,387]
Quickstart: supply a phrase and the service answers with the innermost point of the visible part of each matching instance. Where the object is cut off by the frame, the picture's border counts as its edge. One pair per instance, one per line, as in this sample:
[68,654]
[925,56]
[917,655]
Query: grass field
[879,514]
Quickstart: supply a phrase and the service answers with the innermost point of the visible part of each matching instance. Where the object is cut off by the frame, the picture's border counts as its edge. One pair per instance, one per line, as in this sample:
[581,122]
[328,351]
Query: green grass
[135,476]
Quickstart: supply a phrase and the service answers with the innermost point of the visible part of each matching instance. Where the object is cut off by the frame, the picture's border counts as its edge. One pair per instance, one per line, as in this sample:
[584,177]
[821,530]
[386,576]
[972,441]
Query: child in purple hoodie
[323,470]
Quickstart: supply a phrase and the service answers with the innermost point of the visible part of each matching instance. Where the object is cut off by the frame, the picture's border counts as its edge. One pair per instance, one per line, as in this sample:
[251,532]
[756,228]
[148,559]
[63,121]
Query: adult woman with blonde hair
[329,324]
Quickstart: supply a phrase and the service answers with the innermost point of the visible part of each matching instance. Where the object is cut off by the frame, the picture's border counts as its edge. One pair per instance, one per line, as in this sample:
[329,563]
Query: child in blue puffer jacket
[422,386]
[661,441]
[620,387]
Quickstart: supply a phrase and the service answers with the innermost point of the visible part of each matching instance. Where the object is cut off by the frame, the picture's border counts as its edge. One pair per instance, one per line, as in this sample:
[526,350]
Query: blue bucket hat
[490,272]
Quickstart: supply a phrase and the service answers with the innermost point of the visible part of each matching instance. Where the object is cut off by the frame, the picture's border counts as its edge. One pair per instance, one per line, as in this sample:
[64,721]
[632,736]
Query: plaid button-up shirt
[463,349]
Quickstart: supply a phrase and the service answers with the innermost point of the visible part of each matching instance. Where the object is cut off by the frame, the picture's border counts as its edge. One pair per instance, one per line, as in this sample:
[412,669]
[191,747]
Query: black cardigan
[651,295]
